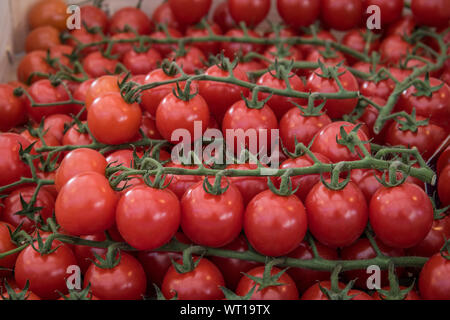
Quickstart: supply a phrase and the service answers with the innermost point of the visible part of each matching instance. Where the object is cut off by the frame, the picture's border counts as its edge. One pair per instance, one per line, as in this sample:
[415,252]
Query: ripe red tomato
[278,231]
[281,104]
[209,47]
[174,115]
[315,55]
[148,218]
[401,216]
[381,89]
[92,213]
[79,161]
[48,13]
[314,292]
[220,96]
[82,37]
[74,137]
[325,142]
[202,283]
[412,295]
[252,12]
[111,111]
[233,49]
[189,11]
[7,263]
[322,35]
[298,13]
[434,13]
[12,108]
[126,281]
[304,278]
[335,108]
[55,125]
[11,164]
[444,186]
[156,264]
[99,86]
[393,49]
[222,16]
[248,186]
[390,10]
[356,39]
[341,14]
[31,63]
[403,26]
[92,16]
[42,38]
[165,49]
[427,138]
[45,273]
[132,17]
[434,240]
[85,254]
[434,278]
[164,15]
[96,65]
[142,62]
[119,49]
[286,291]
[294,126]
[212,220]
[190,61]
[336,218]
[179,184]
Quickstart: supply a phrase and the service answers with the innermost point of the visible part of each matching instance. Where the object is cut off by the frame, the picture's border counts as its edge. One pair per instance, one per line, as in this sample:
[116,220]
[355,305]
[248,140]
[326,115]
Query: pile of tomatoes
[78,134]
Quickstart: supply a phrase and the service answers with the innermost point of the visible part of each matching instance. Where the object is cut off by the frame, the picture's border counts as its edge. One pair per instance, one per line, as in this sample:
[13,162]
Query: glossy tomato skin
[325,142]
[304,278]
[94,212]
[393,49]
[412,295]
[294,126]
[141,63]
[99,86]
[119,49]
[443,160]
[403,26]
[165,49]
[12,203]
[221,96]
[174,113]
[135,18]
[11,165]
[126,281]
[212,220]
[314,292]
[12,108]
[76,138]
[431,13]
[79,161]
[362,249]
[401,216]
[248,186]
[33,62]
[82,36]
[55,125]
[6,245]
[287,291]
[191,61]
[280,104]
[279,231]
[147,218]
[181,183]
[444,186]
[335,108]
[232,268]
[96,65]
[222,16]
[197,10]
[390,10]
[203,283]
[209,47]
[92,17]
[434,279]
[252,12]
[231,49]
[48,13]
[46,273]
[111,111]
[356,39]
[298,13]
[434,240]
[85,254]
[341,14]
[164,15]
[42,38]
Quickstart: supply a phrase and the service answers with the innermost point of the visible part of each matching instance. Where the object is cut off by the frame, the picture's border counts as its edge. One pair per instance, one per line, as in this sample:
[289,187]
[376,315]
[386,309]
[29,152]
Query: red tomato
[281,104]
[189,11]
[164,15]
[85,254]
[434,241]
[74,137]
[403,26]
[325,142]
[212,220]
[356,39]
[156,264]
[278,231]
[111,111]
[83,37]
[126,281]
[92,17]
[252,12]
[6,245]
[401,216]
[444,186]
[381,89]
[119,49]
[202,283]
[220,96]
[232,49]
[286,291]
[434,279]
[11,165]
[148,125]
[322,35]
[42,38]
[209,47]
[148,218]
[180,183]
[174,115]
[55,125]
[48,12]
[304,278]
[298,13]
[294,126]
[341,14]
[412,295]
[335,108]
[314,292]
[12,108]
[190,61]
[31,63]
[90,214]
[336,218]
[96,65]
[443,161]
[99,86]
[141,63]
[390,10]
[248,186]
[79,161]
[45,273]
[165,49]
[434,13]
[315,55]
[232,269]
[393,49]
[222,16]
[132,17]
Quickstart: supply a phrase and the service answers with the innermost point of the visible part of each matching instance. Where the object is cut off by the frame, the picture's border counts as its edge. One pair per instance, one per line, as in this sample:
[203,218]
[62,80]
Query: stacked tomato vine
[87,178]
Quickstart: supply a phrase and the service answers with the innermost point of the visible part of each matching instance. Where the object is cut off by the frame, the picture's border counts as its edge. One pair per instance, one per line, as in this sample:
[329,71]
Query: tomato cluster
[89,179]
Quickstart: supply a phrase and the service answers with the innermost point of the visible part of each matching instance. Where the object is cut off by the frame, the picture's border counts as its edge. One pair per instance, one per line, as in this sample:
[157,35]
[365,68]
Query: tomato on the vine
[341,14]
[434,279]
[11,164]
[189,11]
[133,18]
[252,12]
[298,13]
[7,263]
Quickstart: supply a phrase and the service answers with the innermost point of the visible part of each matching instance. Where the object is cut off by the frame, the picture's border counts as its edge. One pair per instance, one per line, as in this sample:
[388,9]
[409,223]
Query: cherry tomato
[341,14]
[252,12]
[11,164]
[7,263]
[403,26]
[443,160]
[74,137]
[209,47]
[12,108]
[412,295]
[92,17]
[431,13]
[233,49]
[126,281]
[96,65]
[42,38]
[190,60]
[196,10]
[434,278]
[132,17]
[33,62]
[179,184]
[390,10]
[92,213]
[393,49]
[248,186]
[397,218]
[164,15]
[119,49]
[434,241]
[83,37]
[356,39]
[48,13]
[222,16]
[85,254]
[202,283]
[286,291]
[142,62]
[315,293]
[444,186]
[99,86]
[165,49]
[298,13]
[322,35]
